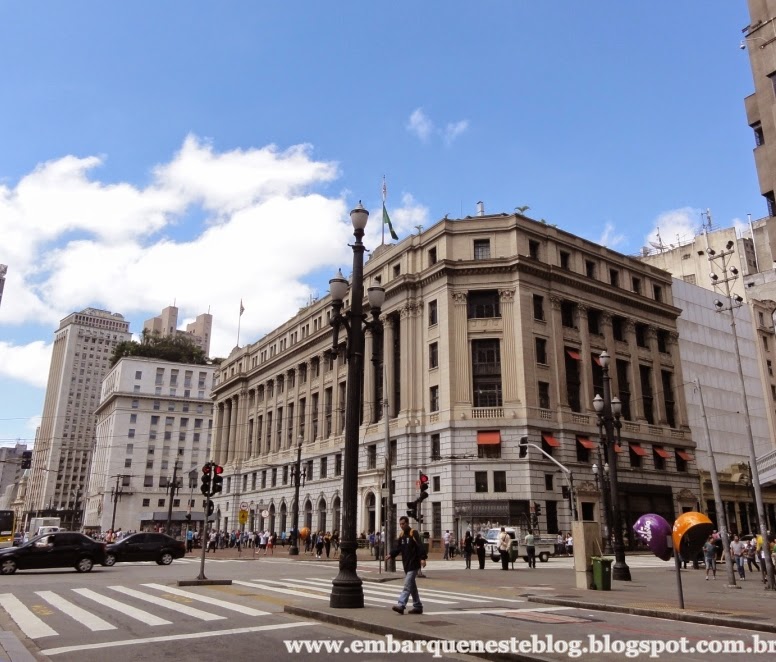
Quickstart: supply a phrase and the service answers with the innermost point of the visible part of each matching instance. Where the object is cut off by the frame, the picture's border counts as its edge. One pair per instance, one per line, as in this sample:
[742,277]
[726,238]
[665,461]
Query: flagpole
[239,320]
[383,224]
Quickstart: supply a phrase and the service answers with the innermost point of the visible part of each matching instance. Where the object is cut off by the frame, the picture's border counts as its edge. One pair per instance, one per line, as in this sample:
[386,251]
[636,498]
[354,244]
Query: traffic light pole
[205,539]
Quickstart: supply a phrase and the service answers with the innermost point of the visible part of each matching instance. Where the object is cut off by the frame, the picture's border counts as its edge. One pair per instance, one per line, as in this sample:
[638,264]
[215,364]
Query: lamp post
[609,410]
[297,477]
[604,487]
[347,591]
[722,284]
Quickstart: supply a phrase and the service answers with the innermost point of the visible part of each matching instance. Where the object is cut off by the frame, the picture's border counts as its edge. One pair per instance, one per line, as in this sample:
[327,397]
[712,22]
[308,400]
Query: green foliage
[177,349]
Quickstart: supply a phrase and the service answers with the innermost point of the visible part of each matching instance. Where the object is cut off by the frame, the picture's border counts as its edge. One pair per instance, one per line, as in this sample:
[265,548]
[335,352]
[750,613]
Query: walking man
[446,541]
[413,557]
[710,557]
[737,551]
[530,549]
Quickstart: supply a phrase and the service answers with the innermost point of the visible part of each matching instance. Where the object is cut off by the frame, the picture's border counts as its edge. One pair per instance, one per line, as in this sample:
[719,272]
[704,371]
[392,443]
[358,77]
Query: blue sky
[204,152]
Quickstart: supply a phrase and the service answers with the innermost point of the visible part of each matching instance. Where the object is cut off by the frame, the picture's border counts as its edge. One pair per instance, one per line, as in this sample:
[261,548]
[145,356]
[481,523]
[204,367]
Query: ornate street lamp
[609,410]
[297,476]
[347,591]
[602,483]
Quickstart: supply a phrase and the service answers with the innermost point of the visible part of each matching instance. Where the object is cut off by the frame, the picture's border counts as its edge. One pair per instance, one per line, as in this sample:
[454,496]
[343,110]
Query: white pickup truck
[545,545]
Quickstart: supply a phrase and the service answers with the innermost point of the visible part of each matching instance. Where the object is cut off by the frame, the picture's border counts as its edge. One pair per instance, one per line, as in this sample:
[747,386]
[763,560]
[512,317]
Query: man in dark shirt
[413,556]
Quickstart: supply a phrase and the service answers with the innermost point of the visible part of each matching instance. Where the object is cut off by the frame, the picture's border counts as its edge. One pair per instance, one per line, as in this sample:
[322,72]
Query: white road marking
[233,606]
[169,604]
[86,618]
[458,612]
[175,637]
[389,592]
[29,623]
[125,609]
[284,591]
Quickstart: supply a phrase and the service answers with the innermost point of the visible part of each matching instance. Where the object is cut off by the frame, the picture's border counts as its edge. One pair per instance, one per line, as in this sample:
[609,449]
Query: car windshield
[493,535]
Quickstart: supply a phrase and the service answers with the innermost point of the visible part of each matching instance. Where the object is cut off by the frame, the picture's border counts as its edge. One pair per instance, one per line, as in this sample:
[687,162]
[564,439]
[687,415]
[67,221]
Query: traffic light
[27,460]
[423,480]
[218,481]
[523,451]
[210,508]
[412,513]
[206,476]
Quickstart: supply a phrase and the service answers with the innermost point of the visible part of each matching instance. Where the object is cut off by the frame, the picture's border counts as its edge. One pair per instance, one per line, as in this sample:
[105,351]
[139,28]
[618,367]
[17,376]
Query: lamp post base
[293,550]
[347,591]
[621,571]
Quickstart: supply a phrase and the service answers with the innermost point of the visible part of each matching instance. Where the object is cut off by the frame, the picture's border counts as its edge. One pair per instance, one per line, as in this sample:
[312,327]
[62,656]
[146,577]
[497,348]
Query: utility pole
[173,487]
[116,496]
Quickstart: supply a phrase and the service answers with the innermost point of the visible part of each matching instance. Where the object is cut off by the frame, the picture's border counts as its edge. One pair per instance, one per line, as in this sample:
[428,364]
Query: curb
[398,633]
[678,615]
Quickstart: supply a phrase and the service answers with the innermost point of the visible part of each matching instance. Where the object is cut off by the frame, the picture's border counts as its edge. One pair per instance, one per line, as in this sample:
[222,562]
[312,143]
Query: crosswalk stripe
[326,588]
[86,618]
[29,623]
[394,590]
[125,609]
[248,611]
[284,591]
[169,604]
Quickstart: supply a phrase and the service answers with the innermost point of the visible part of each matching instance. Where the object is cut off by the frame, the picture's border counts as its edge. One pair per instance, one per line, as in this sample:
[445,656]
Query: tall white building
[83,346]
[10,472]
[151,415]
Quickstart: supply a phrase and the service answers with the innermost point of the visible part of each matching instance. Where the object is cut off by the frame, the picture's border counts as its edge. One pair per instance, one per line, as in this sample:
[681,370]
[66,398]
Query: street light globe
[338,286]
[376,296]
[359,216]
[598,403]
[604,359]
[595,468]
[616,406]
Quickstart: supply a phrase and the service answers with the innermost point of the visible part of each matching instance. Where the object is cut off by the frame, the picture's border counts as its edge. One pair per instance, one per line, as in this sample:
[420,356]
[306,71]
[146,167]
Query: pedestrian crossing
[69,611]
[378,595]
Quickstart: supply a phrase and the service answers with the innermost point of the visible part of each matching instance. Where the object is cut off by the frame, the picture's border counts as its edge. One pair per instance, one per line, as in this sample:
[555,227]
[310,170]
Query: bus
[7,528]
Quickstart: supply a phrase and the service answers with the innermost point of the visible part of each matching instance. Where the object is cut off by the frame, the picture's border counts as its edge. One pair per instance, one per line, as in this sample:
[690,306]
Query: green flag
[387,221]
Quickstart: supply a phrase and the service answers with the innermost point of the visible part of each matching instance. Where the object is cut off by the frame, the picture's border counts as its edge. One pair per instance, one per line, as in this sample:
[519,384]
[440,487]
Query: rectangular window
[432,313]
[324,466]
[759,137]
[433,355]
[433,396]
[436,449]
[371,456]
[641,335]
[133,418]
[135,404]
[160,503]
[662,341]
[567,314]
[667,379]
[548,482]
[657,291]
[138,374]
[636,282]
[538,307]
[618,328]
[541,351]
[486,373]
[482,304]
[658,457]
[594,321]
[146,503]
[499,481]
[432,256]
[482,249]
[645,374]
[128,463]
[544,395]
[533,249]
[148,481]
[437,484]
[565,260]
[338,464]
[614,277]
[480,481]
[590,268]
[573,379]
[274,476]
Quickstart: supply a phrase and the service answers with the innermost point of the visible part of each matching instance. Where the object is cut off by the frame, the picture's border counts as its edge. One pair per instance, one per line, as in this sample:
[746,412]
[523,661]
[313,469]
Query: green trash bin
[602,573]
[514,551]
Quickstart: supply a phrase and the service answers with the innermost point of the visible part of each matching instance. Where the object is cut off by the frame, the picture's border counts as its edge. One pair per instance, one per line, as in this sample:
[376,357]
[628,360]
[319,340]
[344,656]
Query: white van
[545,545]
[491,540]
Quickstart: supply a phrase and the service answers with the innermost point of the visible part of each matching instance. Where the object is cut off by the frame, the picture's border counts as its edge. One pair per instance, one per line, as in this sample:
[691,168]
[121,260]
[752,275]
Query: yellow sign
[242,517]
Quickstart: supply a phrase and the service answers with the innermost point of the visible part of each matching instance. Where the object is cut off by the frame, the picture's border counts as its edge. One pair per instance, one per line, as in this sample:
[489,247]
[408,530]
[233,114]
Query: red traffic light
[218,469]
[423,478]
[206,469]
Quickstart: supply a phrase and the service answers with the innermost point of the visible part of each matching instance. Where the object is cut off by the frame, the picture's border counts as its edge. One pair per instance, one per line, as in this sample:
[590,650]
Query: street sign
[242,517]
[244,505]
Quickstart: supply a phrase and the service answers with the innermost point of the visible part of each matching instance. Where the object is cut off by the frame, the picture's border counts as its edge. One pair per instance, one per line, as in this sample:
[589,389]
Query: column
[388,342]
[219,440]
[657,377]
[227,430]
[637,401]
[416,394]
[233,428]
[241,449]
[460,355]
[585,368]
[369,379]
[606,327]
[509,359]
[559,364]
[405,340]
[308,402]
[680,401]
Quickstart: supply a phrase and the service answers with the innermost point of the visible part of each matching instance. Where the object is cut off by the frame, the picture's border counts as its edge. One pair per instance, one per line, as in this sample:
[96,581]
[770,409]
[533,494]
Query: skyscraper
[83,346]
[198,331]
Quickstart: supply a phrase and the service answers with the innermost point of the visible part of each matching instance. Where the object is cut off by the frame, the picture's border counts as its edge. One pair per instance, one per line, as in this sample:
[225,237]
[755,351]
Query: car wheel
[8,567]
[110,560]
[165,559]
[84,565]
[544,557]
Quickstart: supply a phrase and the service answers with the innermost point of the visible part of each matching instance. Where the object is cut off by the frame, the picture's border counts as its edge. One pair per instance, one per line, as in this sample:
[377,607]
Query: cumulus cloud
[674,225]
[424,128]
[209,228]
[610,237]
[406,218]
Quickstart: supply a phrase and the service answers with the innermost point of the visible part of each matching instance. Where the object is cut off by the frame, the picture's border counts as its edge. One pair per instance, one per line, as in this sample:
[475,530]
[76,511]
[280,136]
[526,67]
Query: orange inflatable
[690,531]
[303,533]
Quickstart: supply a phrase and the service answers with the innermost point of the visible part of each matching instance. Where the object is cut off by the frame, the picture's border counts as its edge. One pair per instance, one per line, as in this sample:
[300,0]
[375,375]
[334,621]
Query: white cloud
[455,129]
[610,238]
[680,223]
[26,363]
[420,124]
[73,241]
[409,215]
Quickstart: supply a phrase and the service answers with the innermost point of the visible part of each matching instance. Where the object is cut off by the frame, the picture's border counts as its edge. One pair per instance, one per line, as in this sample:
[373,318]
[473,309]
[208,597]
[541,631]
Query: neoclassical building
[492,328]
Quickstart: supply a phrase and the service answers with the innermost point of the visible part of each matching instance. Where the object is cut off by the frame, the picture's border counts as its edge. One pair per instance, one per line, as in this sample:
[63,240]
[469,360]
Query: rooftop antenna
[659,243]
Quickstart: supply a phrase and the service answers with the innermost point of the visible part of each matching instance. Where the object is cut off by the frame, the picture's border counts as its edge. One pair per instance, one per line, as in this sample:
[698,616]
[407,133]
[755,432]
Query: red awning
[684,455]
[551,441]
[488,438]
[573,354]
[617,448]
[585,442]
[636,448]
[662,452]
[597,360]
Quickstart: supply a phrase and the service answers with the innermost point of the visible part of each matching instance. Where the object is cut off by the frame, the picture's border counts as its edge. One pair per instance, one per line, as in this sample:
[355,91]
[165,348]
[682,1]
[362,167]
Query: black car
[65,549]
[145,547]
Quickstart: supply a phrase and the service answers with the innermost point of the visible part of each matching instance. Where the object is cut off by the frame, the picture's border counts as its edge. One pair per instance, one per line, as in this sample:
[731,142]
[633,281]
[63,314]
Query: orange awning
[684,455]
[573,354]
[662,452]
[488,438]
[585,442]
[551,441]
[636,448]
[617,448]
[597,360]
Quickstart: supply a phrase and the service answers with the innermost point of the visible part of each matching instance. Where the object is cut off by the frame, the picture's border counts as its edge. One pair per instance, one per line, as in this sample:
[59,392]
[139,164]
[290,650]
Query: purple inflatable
[653,530]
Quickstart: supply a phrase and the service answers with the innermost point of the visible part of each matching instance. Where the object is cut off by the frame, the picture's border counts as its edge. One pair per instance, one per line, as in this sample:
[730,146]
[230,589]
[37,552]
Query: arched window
[322,515]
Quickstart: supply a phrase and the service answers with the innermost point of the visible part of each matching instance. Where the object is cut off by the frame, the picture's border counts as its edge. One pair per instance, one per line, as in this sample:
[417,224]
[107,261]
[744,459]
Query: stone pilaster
[460,355]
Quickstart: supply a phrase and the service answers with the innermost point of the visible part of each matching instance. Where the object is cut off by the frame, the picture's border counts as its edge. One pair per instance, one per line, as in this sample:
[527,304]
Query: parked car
[157,547]
[64,549]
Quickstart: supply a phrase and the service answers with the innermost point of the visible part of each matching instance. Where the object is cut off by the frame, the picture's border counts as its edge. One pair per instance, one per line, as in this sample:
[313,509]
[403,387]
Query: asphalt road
[137,612]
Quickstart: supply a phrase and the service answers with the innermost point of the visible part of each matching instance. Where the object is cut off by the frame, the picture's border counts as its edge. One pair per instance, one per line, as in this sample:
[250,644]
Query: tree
[178,348]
